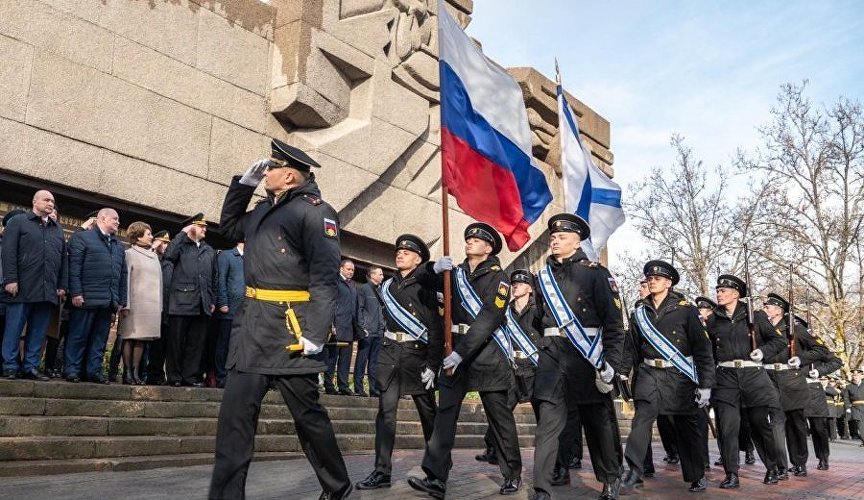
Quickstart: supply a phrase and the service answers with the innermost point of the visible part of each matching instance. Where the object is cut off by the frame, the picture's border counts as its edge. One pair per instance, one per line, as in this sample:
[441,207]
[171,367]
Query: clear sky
[709,71]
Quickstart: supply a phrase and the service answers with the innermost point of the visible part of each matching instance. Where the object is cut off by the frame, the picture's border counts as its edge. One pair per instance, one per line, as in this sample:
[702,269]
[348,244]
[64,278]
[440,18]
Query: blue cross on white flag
[588,191]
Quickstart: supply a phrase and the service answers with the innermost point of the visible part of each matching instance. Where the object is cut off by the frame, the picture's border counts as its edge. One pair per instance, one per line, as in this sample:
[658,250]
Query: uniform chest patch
[331,229]
[503,292]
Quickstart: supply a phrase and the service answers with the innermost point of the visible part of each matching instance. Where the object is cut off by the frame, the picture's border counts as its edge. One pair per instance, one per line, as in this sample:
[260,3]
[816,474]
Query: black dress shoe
[730,482]
[801,471]
[375,480]
[749,458]
[770,477]
[540,495]
[73,377]
[432,487]
[672,459]
[345,392]
[488,456]
[610,490]
[823,465]
[707,466]
[632,480]
[783,474]
[99,379]
[574,463]
[337,495]
[374,394]
[560,476]
[176,383]
[511,486]
[649,473]
[697,486]
[10,374]
[35,374]
[718,462]
[331,391]
[361,394]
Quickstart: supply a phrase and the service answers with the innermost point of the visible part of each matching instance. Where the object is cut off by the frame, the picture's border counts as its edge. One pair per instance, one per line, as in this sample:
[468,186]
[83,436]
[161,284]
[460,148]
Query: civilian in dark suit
[156,349]
[191,302]
[98,286]
[230,293]
[371,319]
[346,329]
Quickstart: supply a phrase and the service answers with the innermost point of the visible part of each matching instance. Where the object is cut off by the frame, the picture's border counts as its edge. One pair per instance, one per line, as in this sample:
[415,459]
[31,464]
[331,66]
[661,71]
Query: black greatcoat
[484,366]
[585,285]
[790,384]
[292,243]
[193,276]
[531,321]
[409,359]
[855,397]
[731,338]
[672,391]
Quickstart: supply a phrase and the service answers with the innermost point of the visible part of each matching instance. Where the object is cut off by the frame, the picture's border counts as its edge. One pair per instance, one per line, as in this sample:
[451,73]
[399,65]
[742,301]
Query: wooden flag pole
[445,227]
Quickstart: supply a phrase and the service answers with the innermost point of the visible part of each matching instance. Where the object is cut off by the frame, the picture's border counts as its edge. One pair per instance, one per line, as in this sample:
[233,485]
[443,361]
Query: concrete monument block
[169,27]
[13,134]
[17,62]
[44,154]
[233,149]
[173,79]
[232,53]
[47,28]
[100,109]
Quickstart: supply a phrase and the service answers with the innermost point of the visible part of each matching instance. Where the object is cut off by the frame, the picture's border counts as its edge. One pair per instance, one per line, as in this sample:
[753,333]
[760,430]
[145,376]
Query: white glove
[813,373]
[795,362]
[848,410]
[428,378]
[443,264]
[253,176]
[603,386]
[606,373]
[757,355]
[452,361]
[309,348]
[703,396]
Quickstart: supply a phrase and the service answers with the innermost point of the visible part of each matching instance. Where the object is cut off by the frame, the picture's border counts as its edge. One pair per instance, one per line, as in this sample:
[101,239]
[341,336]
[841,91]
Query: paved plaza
[294,479]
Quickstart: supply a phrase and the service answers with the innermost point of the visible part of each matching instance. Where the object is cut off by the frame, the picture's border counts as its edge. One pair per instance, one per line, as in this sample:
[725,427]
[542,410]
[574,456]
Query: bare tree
[812,212]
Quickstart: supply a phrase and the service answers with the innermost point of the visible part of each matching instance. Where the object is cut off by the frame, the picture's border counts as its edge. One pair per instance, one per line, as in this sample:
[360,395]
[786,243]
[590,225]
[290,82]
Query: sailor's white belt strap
[777,366]
[662,363]
[519,355]
[558,332]
[813,380]
[460,329]
[739,363]
[399,336]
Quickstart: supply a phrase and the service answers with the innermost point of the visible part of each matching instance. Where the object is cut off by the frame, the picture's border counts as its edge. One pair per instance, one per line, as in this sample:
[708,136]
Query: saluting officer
[741,379]
[787,371]
[673,375]
[291,266]
[482,360]
[410,356]
[582,348]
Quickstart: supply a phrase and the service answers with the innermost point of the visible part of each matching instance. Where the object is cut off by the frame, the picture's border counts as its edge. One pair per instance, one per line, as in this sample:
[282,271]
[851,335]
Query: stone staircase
[57,427]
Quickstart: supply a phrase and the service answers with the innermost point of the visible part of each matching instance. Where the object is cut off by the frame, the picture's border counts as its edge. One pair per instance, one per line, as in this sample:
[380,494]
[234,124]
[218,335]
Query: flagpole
[445,227]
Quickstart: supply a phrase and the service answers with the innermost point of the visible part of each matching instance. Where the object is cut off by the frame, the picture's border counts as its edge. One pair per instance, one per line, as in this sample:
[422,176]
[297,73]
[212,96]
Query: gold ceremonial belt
[277,295]
[857,403]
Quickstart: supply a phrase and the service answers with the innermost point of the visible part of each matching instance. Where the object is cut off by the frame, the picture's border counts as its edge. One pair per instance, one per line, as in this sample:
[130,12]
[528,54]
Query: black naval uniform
[815,355]
[565,377]
[661,389]
[743,386]
[484,368]
[795,395]
[854,395]
[292,243]
[401,363]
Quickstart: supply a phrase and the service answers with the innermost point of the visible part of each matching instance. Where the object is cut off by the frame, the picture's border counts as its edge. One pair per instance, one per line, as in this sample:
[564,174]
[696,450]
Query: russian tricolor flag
[485,138]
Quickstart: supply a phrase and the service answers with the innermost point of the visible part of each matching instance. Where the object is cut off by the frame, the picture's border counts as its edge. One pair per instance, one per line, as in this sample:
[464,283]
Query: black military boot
[560,475]
[783,473]
[800,471]
[697,486]
[375,480]
[337,495]
[632,481]
[730,482]
[435,488]
[511,486]
[574,463]
[749,458]
[771,477]
[610,490]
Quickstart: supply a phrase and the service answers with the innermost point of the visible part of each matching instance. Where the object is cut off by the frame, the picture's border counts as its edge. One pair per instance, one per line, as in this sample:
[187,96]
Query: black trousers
[489,437]
[832,427]
[819,431]
[238,418]
[601,435]
[570,441]
[184,348]
[156,363]
[338,361]
[729,417]
[496,404]
[385,422]
[796,437]
[666,428]
[684,429]
[702,414]
[778,430]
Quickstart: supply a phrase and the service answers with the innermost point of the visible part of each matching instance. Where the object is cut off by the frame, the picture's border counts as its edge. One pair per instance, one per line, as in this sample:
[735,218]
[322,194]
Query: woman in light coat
[140,321]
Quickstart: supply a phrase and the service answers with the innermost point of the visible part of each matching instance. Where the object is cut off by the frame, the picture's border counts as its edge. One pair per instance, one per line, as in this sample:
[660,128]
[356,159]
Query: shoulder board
[313,200]
[495,267]
[683,302]
[588,263]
